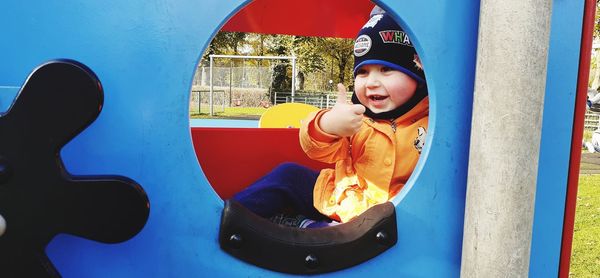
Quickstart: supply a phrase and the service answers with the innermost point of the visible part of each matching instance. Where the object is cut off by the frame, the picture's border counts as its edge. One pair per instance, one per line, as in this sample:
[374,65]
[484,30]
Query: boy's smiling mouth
[377,98]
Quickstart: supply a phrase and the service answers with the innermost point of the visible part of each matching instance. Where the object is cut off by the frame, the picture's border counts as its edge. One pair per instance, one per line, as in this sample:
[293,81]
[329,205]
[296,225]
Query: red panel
[318,18]
[578,126]
[233,158]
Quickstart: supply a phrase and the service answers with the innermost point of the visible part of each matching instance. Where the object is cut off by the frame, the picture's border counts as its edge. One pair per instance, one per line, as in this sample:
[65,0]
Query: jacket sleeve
[319,145]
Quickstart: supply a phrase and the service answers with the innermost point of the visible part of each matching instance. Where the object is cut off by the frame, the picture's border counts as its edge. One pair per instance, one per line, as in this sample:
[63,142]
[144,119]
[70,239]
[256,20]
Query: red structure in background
[233,158]
[313,18]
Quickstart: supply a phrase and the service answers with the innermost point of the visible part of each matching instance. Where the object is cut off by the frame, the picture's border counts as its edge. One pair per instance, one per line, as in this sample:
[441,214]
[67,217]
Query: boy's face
[383,89]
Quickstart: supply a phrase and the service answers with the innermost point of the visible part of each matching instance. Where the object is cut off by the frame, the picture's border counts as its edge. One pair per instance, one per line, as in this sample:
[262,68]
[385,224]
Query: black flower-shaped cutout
[38,198]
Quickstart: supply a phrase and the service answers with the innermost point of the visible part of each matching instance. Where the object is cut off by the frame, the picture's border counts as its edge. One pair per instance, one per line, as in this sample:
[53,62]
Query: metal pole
[210,98]
[293,58]
[321,102]
[508,100]
[230,81]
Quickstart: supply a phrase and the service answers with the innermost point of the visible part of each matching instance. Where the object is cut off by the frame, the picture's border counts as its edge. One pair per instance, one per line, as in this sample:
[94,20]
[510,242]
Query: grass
[587,135]
[585,256]
[228,113]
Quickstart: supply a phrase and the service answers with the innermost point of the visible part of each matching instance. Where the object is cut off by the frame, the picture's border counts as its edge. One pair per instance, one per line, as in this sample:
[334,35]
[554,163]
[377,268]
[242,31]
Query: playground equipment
[212,57]
[142,132]
[286,115]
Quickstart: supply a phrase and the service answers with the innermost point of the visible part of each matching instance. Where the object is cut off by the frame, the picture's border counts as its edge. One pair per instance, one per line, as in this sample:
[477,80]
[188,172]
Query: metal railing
[321,100]
[196,97]
[591,120]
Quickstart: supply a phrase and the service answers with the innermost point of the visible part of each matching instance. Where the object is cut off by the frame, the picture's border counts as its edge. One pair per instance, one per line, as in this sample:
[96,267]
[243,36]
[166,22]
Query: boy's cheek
[361,97]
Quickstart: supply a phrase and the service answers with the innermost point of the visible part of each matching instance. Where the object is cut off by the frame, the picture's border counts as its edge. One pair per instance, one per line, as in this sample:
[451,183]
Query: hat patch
[395,36]
[373,21]
[362,45]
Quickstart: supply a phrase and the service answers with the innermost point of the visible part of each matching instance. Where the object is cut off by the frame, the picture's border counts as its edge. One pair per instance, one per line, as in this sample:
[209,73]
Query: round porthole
[228,84]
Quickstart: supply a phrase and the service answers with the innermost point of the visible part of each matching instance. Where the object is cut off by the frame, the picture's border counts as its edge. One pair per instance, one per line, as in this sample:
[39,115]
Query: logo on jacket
[420,140]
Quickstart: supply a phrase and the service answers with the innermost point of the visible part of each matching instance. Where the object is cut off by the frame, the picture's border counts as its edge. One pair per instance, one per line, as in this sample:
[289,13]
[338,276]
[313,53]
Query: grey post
[510,81]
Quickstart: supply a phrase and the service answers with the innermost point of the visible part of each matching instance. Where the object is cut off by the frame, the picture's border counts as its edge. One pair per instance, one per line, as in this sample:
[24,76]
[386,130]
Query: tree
[341,52]
[225,43]
[595,62]
[313,55]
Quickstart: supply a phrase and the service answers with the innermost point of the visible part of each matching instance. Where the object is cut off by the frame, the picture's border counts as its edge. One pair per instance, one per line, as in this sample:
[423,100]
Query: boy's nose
[373,81]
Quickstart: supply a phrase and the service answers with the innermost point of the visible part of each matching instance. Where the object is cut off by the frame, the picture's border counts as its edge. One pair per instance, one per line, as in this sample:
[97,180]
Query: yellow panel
[285,115]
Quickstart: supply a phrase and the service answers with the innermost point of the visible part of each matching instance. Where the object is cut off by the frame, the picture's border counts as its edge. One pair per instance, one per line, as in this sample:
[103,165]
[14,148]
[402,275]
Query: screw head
[382,237]
[311,261]
[236,241]
[2,225]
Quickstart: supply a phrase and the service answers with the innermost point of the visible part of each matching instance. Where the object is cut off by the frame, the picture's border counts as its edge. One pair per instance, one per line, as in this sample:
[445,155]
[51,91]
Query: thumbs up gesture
[344,119]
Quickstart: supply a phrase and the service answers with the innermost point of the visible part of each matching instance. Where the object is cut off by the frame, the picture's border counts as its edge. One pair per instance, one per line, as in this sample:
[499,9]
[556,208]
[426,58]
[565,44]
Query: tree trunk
[342,68]
[596,82]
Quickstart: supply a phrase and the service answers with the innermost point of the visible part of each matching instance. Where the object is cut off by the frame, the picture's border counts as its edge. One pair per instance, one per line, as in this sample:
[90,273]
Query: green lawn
[228,113]
[587,135]
[585,257]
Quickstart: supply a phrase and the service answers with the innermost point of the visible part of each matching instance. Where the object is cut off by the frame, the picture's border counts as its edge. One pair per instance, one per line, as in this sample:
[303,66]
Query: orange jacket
[370,167]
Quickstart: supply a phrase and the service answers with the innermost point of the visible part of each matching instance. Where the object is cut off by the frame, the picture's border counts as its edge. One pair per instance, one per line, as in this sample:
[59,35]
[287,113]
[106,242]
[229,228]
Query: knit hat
[381,41]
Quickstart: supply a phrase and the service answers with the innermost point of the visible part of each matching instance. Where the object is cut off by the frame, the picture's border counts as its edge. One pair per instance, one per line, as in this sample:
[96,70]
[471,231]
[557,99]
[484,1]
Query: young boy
[375,142]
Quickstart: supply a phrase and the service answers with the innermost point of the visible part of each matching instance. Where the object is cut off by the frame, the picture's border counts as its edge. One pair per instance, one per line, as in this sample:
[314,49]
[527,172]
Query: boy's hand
[344,119]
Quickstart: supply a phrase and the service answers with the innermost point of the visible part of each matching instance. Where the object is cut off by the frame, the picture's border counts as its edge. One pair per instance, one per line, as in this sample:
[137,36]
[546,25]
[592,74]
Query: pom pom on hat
[381,41]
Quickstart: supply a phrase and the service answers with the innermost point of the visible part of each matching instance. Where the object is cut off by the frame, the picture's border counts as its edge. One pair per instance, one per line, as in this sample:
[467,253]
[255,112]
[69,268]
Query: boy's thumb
[358,109]
[342,96]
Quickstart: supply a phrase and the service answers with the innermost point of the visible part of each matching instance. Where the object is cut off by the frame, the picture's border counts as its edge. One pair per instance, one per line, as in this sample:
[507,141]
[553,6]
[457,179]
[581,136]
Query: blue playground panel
[145,54]
[7,95]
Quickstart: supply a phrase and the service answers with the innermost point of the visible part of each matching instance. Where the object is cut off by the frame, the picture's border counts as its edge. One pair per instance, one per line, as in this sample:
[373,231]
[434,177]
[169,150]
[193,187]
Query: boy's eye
[386,69]
[361,71]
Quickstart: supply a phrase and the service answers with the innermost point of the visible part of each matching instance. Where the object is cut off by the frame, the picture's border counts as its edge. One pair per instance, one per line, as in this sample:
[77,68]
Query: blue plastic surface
[7,95]
[555,147]
[145,54]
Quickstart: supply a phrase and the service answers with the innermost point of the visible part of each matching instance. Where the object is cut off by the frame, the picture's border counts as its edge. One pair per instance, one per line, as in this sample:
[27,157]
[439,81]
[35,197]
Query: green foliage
[225,43]
[282,81]
[340,51]
[585,257]
[587,135]
[596,25]
[331,57]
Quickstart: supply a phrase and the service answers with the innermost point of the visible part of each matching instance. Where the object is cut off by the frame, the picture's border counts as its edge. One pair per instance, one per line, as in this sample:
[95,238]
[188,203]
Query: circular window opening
[264,58]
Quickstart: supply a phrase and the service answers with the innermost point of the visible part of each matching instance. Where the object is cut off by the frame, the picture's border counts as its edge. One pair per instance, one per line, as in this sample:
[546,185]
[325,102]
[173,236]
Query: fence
[591,120]
[258,77]
[321,100]
[200,103]
[229,102]
[243,91]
